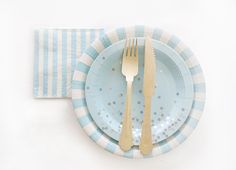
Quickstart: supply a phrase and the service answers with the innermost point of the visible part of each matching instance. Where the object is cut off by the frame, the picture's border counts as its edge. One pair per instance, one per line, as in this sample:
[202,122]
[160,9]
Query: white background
[44,134]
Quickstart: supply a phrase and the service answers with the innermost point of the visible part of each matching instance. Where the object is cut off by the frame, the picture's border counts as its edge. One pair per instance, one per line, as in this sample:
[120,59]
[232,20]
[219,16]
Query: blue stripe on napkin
[64,58]
[54,79]
[45,64]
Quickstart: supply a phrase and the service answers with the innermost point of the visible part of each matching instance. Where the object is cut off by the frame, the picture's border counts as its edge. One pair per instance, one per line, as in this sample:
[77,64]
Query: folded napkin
[55,57]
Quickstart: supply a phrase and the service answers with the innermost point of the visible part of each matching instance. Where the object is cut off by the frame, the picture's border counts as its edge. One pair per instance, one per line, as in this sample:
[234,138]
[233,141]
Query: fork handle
[146,136]
[126,140]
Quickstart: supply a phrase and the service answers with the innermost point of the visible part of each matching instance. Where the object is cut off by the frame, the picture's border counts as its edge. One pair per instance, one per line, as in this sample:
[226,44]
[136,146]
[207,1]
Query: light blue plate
[105,92]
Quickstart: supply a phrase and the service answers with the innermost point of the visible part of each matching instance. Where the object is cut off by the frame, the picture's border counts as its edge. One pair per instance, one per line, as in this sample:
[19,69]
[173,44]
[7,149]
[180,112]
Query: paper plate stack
[99,91]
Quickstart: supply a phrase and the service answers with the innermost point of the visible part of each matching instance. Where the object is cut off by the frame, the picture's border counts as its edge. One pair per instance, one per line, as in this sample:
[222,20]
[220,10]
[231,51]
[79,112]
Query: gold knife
[148,90]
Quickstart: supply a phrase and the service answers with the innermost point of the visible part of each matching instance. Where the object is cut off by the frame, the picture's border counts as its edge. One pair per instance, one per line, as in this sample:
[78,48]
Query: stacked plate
[99,91]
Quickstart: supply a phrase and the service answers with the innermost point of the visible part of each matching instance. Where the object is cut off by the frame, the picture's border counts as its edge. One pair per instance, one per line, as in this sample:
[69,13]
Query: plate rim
[90,54]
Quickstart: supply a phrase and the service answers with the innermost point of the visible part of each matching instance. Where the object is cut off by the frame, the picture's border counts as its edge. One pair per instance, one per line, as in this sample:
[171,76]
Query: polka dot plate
[98,91]
[105,89]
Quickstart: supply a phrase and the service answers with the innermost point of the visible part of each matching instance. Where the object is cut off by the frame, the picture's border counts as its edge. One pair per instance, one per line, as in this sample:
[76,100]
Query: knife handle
[146,135]
[126,140]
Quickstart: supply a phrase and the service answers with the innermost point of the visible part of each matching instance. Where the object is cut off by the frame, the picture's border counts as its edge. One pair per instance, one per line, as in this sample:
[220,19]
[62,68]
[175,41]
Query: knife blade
[149,69]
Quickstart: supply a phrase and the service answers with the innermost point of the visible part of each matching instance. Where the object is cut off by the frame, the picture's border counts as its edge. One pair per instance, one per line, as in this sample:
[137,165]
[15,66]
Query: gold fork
[129,70]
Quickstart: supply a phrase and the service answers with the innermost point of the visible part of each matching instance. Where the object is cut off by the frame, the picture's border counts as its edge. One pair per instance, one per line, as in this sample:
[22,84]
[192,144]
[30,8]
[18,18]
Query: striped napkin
[55,57]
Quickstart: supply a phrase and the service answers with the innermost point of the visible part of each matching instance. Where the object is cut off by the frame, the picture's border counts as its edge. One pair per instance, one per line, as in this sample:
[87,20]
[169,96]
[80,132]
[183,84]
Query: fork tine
[133,47]
[125,49]
[128,54]
[136,53]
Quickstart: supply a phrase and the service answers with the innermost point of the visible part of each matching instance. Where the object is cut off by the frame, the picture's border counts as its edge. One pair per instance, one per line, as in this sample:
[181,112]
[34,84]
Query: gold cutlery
[129,70]
[148,90]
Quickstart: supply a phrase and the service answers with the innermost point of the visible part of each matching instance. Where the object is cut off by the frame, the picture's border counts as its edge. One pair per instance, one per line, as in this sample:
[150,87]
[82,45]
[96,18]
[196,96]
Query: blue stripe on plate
[200,87]
[186,53]
[198,105]
[45,63]
[36,63]
[157,34]
[55,62]
[179,136]
[92,52]
[95,136]
[64,65]
[192,122]
[139,31]
[82,67]
[85,120]
[78,84]
[164,146]
[105,41]
[79,103]
[121,33]
[74,51]
[128,154]
[173,42]
[111,147]
[195,70]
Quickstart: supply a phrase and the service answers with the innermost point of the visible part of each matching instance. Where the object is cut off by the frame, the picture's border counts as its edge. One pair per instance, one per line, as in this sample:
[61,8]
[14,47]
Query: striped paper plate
[80,75]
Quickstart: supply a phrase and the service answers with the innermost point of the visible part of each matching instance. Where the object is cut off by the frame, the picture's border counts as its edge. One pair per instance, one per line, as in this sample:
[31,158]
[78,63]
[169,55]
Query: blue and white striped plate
[80,77]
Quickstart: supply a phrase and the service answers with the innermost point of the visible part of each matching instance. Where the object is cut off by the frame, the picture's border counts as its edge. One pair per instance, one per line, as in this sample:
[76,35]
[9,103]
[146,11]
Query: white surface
[44,134]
